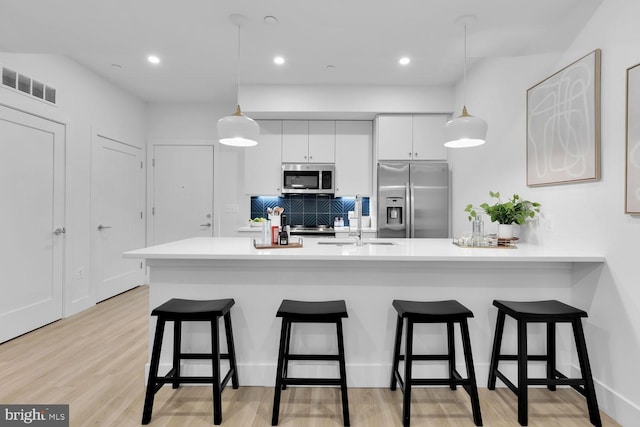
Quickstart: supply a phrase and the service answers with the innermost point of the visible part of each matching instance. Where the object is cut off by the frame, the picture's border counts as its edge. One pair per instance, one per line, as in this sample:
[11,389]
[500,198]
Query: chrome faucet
[359,219]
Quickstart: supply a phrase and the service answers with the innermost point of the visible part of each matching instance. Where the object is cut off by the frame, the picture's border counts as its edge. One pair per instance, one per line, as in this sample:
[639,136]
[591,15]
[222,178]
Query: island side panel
[368,289]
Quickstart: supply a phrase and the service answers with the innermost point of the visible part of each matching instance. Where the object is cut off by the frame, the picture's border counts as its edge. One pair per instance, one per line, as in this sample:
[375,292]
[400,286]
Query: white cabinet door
[295,141]
[262,163]
[354,145]
[394,136]
[428,137]
[32,152]
[322,141]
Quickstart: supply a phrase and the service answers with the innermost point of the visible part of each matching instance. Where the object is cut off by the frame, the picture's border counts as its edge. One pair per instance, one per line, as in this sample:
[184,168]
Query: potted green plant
[514,211]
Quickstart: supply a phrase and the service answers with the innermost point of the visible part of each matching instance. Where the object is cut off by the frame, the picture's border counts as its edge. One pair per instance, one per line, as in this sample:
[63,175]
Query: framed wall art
[632,180]
[563,125]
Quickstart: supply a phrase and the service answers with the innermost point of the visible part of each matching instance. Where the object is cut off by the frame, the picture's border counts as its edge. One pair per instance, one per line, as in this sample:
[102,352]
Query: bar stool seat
[178,310]
[310,312]
[449,312]
[549,312]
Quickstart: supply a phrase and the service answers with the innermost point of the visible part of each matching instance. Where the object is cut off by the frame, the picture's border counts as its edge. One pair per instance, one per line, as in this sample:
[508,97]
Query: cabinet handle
[410,153]
[415,154]
[305,157]
[310,157]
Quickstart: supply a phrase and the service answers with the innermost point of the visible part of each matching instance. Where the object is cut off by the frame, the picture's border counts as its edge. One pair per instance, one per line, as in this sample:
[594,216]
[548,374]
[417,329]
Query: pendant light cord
[238,71]
[464,89]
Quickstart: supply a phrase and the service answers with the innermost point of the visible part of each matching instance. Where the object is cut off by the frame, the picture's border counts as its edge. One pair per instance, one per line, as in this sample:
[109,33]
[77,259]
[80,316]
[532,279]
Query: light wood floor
[94,362]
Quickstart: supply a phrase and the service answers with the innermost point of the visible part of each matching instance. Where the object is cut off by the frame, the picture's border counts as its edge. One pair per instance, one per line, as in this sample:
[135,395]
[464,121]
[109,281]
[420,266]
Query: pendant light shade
[465,130]
[237,129]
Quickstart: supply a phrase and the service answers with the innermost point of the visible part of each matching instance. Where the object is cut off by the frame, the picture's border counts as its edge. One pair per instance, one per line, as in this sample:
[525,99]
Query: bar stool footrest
[312,381]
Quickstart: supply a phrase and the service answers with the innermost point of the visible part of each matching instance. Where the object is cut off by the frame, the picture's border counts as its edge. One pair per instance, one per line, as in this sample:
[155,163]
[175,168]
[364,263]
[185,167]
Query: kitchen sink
[352,242]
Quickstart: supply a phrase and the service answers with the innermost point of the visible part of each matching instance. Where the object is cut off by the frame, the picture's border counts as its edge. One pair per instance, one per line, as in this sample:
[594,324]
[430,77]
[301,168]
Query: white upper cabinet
[306,141]
[322,141]
[354,147]
[428,137]
[262,164]
[395,137]
[411,137]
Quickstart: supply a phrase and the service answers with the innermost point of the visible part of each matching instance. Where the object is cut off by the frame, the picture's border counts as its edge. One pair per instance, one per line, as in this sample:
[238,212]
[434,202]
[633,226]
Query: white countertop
[241,248]
[248,228]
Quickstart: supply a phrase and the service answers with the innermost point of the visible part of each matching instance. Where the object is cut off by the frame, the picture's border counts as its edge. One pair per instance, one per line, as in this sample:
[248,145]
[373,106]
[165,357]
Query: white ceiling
[363,39]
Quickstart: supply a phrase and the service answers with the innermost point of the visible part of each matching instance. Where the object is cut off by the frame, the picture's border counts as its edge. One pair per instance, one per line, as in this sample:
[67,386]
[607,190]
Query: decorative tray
[291,245]
[490,243]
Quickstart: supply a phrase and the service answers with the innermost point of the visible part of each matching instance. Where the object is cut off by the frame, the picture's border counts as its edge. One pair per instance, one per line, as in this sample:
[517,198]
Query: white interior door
[32,153]
[117,206]
[182,192]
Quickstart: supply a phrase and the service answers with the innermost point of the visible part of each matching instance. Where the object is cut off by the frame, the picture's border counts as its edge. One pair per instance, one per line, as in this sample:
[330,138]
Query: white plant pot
[505,231]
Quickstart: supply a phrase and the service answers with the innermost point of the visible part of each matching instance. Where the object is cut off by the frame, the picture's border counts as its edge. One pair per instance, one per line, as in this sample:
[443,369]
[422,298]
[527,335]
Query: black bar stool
[177,311]
[549,312]
[449,312]
[309,312]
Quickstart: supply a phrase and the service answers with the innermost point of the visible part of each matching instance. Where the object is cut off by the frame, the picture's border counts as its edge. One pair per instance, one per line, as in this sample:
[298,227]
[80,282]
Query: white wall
[342,102]
[85,101]
[586,213]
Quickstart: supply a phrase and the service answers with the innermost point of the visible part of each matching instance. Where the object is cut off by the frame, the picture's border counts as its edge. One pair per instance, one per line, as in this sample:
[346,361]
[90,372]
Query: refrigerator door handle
[412,219]
[407,211]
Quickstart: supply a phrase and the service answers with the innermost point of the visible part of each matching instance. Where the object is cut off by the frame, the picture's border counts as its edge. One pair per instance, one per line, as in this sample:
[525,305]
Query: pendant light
[237,129]
[465,130]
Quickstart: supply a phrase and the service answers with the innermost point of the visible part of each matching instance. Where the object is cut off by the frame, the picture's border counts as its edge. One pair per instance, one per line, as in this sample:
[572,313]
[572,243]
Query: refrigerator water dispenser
[394,210]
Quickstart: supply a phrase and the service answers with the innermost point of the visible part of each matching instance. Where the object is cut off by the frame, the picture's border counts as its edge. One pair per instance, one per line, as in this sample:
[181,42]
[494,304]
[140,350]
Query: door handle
[206,225]
[102,227]
[58,231]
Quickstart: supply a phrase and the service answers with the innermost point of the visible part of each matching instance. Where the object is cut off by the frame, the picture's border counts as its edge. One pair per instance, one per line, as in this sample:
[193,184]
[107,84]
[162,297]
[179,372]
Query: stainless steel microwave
[308,178]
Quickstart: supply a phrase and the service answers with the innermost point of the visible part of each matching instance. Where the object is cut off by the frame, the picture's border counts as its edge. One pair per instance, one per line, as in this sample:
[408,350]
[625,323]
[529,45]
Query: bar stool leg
[585,368]
[231,350]
[343,374]
[408,359]
[551,354]
[451,344]
[153,372]
[523,391]
[279,373]
[396,352]
[177,339]
[471,373]
[215,362]
[285,368]
[495,353]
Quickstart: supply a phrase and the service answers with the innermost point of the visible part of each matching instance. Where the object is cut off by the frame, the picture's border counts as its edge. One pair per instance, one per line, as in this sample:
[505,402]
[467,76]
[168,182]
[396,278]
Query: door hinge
[141,165]
[153,211]
[140,214]
[140,266]
[153,161]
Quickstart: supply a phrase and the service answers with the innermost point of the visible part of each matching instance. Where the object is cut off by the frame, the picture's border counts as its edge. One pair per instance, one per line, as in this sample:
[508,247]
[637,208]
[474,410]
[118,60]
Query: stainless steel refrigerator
[413,199]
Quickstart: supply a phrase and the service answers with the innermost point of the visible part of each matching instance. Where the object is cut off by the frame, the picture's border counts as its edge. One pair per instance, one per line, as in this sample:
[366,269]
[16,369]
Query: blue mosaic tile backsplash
[308,209]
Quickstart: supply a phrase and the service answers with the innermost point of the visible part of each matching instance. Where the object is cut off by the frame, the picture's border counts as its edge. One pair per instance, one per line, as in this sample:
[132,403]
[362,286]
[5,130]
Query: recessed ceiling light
[278,60]
[153,59]
[405,60]
[270,19]
[331,67]
[117,66]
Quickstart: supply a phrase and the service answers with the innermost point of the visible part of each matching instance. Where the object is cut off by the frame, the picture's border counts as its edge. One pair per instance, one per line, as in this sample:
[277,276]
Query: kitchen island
[368,278]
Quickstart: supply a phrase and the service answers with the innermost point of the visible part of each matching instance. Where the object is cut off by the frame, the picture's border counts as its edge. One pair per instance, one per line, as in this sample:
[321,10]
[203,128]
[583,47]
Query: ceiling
[362,39]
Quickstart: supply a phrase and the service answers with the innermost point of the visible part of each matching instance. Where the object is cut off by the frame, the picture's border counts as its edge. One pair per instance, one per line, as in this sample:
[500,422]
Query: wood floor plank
[94,362]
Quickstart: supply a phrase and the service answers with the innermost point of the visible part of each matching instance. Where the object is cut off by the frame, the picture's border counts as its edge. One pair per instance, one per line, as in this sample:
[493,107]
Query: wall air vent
[28,86]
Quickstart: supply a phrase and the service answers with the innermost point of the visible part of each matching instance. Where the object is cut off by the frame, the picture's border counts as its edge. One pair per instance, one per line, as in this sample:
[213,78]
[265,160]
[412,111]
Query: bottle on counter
[477,230]
[284,235]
